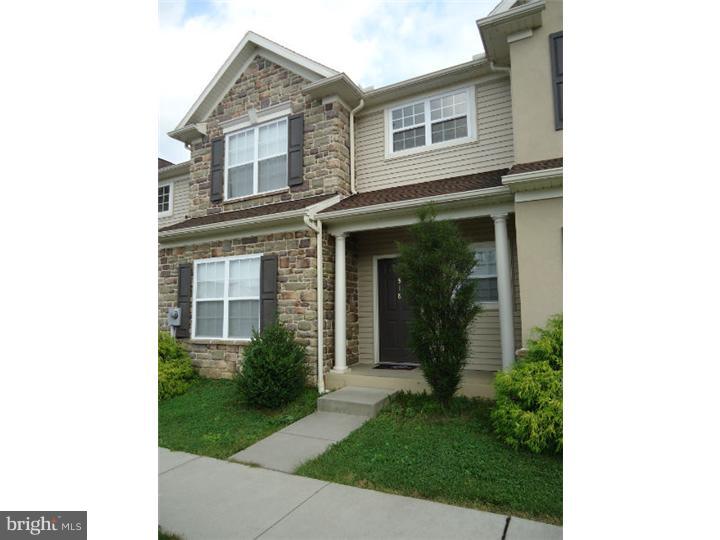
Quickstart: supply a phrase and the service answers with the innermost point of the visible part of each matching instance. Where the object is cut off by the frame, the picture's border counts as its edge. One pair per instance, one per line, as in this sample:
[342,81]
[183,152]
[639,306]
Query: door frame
[376,308]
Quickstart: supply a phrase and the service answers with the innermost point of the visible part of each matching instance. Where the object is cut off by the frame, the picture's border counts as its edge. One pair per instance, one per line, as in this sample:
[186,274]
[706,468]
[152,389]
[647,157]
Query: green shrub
[170,349]
[434,268]
[274,369]
[528,410]
[175,371]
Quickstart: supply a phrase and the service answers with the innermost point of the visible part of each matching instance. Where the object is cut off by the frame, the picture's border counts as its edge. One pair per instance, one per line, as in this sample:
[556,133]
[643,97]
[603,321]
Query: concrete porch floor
[474,384]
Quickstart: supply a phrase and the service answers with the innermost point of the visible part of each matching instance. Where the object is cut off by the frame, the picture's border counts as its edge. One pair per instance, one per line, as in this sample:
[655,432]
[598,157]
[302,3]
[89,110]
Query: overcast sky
[375,43]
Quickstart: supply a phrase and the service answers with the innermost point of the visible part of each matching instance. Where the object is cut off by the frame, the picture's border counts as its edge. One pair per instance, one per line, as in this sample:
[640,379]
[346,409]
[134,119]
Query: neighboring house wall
[532,94]
[326,143]
[180,202]
[539,243]
[484,331]
[493,148]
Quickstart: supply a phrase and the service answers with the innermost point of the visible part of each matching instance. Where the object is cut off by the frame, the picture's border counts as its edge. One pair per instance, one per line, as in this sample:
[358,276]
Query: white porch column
[340,305]
[504,284]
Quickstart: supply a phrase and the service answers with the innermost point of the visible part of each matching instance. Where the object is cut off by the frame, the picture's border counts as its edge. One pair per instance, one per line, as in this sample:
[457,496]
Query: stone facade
[326,150]
[297,301]
[326,166]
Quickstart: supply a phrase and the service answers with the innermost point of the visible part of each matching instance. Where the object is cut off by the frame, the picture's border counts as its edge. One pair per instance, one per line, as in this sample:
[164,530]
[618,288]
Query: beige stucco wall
[534,131]
[539,245]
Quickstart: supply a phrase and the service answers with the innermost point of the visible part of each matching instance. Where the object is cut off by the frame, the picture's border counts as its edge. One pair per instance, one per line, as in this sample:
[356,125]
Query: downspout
[353,191]
[317,227]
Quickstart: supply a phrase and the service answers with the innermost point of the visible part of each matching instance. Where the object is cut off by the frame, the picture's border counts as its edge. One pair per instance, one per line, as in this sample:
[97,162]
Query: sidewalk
[205,498]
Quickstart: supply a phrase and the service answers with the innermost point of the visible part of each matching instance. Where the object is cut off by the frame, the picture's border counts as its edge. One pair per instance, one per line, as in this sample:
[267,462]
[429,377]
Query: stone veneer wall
[297,301]
[326,154]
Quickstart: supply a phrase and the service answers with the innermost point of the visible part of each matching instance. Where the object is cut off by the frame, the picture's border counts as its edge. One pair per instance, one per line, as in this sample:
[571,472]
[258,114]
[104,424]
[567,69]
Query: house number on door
[399,292]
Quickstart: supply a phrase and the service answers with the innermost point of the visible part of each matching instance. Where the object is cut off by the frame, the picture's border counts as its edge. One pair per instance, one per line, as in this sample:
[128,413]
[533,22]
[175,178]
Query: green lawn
[413,448]
[210,420]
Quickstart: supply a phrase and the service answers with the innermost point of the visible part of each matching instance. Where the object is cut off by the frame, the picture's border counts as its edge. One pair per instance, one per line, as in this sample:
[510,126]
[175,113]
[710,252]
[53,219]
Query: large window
[226,297]
[485,273]
[436,119]
[256,159]
[165,199]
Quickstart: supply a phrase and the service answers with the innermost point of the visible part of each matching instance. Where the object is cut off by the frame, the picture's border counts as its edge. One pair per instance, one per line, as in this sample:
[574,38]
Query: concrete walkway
[205,498]
[307,438]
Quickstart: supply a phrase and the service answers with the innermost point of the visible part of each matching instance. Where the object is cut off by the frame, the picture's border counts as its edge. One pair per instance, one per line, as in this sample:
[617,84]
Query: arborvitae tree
[434,268]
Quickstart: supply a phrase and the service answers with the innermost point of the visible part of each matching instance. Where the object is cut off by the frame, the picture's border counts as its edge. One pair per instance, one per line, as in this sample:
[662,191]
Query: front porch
[367,332]
[475,383]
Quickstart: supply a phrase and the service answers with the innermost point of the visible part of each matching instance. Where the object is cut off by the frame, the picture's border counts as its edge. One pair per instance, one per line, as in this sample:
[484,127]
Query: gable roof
[164,163]
[250,46]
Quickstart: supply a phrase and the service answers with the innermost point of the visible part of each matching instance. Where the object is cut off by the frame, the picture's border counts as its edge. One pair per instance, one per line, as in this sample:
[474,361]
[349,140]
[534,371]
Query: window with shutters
[226,297]
[431,122]
[256,159]
[556,61]
[485,273]
[165,199]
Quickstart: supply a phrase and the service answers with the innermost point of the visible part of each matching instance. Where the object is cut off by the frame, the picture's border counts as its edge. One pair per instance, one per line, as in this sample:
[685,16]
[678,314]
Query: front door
[394,316]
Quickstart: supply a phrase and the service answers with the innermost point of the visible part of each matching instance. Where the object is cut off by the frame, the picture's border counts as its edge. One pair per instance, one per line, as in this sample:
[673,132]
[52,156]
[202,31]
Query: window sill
[256,195]
[218,341]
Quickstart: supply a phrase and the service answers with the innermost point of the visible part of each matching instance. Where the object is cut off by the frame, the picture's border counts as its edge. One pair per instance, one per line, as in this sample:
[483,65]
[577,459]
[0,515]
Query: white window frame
[480,245]
[225,299]
[255,128]
[429,145]
[169,211]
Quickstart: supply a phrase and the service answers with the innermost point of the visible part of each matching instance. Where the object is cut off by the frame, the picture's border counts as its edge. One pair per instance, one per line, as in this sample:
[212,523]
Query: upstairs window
[485,274]
[256,160]
[556,64]
[164,199]
[226,297]
[436,119]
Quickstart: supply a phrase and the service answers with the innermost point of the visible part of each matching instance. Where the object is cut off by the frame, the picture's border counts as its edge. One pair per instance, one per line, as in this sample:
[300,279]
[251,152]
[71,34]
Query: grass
[414,448]
[211,420]
[162,535]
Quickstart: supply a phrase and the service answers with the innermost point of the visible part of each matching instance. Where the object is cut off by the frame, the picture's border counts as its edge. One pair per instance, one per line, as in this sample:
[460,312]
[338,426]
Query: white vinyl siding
[226,297]
[256,159]
[492,147]
[484,333]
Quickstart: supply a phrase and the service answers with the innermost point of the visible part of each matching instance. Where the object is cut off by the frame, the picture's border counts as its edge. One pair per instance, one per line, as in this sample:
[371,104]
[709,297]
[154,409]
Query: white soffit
[250,46]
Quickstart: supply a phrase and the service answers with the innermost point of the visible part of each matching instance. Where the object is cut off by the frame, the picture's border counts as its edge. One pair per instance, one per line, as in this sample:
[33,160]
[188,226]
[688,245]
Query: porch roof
[536,166]
[253,212]
[457,184]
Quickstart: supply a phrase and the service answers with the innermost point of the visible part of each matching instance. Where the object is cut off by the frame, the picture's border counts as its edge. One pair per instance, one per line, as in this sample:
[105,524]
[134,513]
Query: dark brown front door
[394,316]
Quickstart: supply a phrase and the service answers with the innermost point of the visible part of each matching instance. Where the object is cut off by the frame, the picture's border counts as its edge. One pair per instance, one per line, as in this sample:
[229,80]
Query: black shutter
[217,169]
[268,290]
[296,133]
[556,61]
[184,299]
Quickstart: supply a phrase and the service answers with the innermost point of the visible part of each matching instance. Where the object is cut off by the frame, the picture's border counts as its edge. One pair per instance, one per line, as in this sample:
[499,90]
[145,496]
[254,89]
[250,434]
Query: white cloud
[375,43]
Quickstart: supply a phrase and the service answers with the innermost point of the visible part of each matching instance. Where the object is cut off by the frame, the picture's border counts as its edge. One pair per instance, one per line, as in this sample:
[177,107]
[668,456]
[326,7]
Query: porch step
[474,383]
[356,400]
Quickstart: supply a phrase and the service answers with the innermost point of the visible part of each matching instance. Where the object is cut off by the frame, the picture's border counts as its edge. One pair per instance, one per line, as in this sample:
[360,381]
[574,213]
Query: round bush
[528,408]
[274,368]
[175,371]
